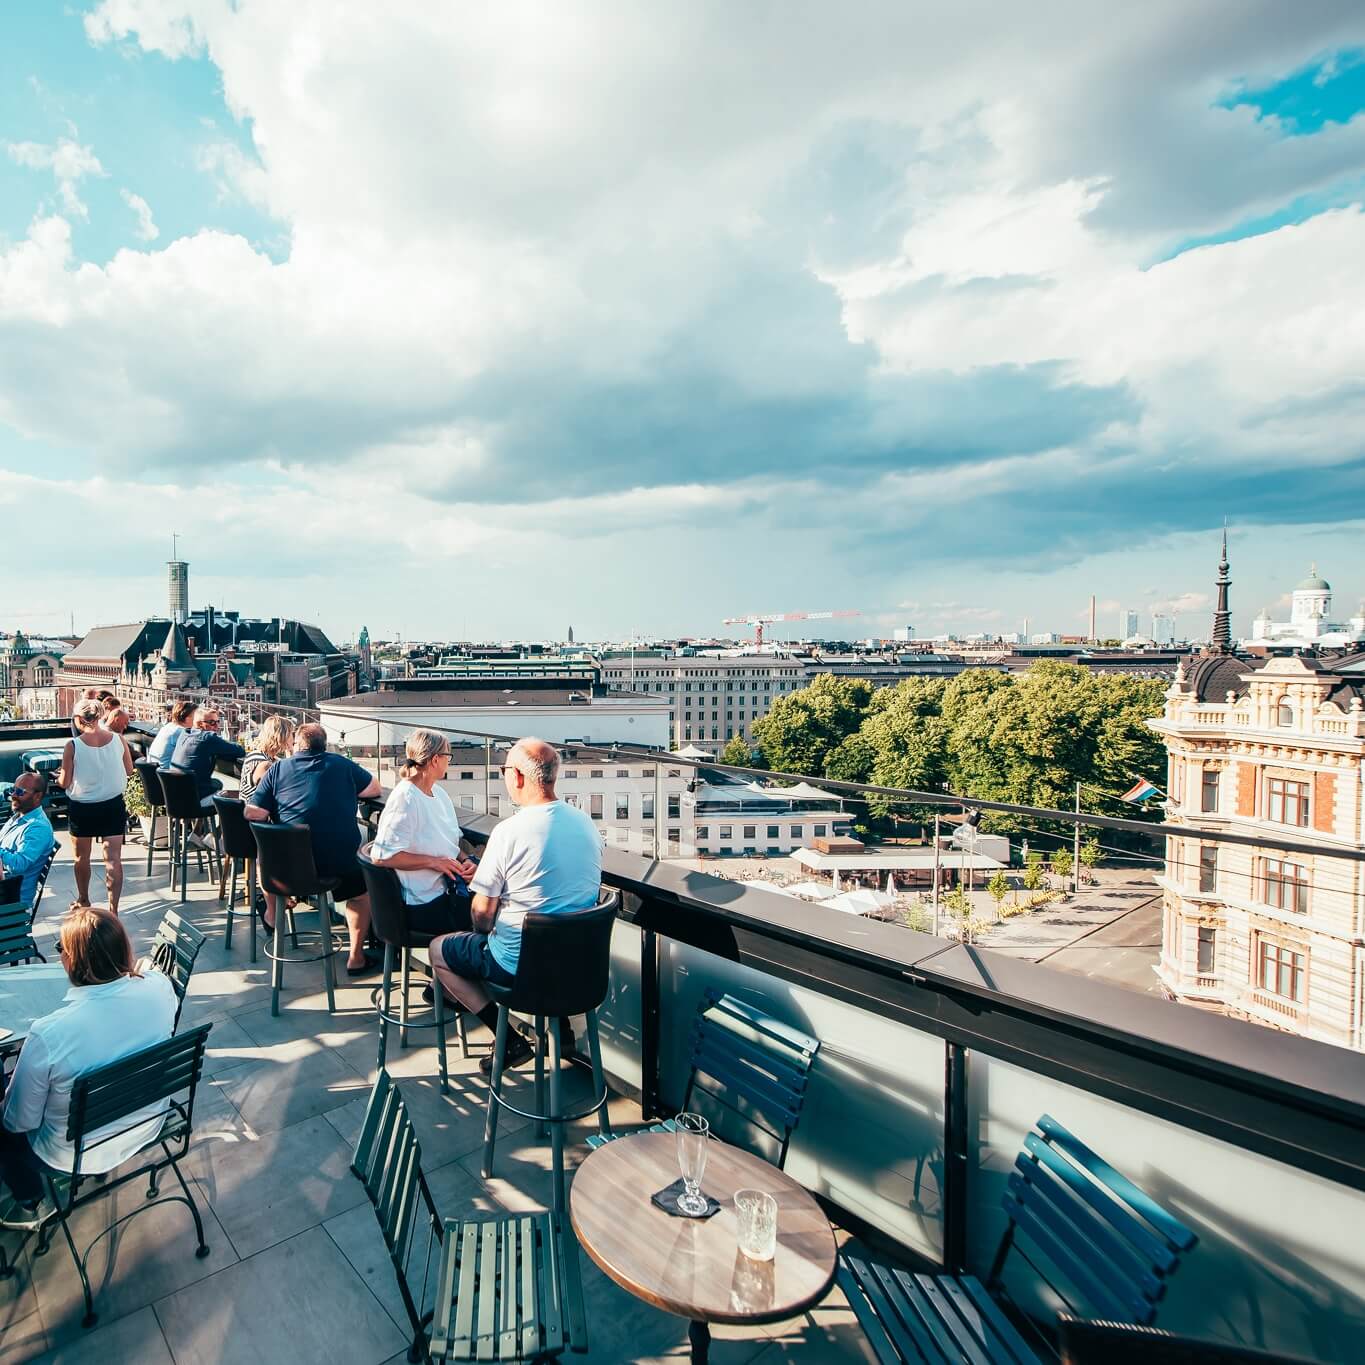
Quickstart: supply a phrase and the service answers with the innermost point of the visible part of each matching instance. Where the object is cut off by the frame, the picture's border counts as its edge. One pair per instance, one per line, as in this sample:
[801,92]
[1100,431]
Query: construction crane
[759,621]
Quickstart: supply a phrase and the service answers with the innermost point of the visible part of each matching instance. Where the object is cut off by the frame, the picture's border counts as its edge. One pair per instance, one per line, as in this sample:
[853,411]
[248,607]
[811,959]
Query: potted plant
[135,800]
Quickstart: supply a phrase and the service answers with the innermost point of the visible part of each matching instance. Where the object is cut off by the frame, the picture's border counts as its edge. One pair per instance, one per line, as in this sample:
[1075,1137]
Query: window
[795,831]
[466,803]
[675,772]
[774,832]
[495,806]
[687,732]
[819,831]
[1284,712]
[1208,790]
[727,831]
[647,806]
[1286,802]
[623,805]
[1286,886]
[1280,970]
[570,772]
[623,772]
[595,805]
[674,806]
[674,835]
[1208,940]
[702,832]
[1208,867]
[715,732]
[646,772]
[751,831]
[595,772]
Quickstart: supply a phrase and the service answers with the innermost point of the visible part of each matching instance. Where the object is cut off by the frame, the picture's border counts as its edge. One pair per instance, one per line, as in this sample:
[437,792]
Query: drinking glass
[757,1216]
[692,1132]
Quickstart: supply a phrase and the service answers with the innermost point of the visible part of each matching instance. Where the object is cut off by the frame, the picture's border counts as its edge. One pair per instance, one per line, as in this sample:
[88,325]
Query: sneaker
[17,1217]
[200,841]
[518,1051]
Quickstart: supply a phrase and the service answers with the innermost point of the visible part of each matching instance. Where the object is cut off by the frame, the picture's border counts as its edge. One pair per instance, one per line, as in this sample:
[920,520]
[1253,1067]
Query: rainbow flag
[1141,791]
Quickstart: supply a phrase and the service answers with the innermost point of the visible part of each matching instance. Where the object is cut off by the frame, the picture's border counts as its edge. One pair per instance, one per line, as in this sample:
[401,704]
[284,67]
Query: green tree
[1033,872]
[737,752]
[1091,853]
[999,888]
[1062,863]
[802,728]
[905,734]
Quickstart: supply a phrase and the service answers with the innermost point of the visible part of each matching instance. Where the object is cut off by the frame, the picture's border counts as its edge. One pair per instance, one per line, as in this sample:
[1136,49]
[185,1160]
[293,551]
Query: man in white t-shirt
[547,857]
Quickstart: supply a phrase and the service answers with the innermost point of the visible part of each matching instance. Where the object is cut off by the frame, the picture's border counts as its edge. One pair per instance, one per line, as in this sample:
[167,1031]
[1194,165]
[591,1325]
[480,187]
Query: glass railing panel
[1280,1262]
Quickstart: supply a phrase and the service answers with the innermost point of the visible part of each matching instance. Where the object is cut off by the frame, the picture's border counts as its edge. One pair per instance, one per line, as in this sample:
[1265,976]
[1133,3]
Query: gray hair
[422,746]
[536,760]
[88,712]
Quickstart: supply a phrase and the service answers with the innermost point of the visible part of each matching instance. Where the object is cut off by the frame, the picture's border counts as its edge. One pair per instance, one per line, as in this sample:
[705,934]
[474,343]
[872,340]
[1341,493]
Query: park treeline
[1023,737]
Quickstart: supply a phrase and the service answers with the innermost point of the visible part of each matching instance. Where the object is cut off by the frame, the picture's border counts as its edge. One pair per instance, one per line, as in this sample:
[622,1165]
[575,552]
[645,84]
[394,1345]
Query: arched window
[1284,712]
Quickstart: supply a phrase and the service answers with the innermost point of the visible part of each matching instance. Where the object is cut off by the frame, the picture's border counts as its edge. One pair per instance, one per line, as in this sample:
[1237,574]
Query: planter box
[162,830]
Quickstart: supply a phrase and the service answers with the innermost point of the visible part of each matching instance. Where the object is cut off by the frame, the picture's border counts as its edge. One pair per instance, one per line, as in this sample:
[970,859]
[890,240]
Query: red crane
[759,621]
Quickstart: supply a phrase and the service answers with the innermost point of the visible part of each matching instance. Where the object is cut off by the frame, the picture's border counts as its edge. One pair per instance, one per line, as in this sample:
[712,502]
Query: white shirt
[95,1026]
[413,822]
[546,858]
[163,746]
[99,774]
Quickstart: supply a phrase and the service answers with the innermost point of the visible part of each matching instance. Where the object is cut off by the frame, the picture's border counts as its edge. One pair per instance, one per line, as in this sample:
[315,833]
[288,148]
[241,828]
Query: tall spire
[1222,617]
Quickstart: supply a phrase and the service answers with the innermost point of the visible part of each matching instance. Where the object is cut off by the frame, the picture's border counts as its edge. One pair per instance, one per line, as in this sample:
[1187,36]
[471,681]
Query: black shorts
[351,882]
[97,819]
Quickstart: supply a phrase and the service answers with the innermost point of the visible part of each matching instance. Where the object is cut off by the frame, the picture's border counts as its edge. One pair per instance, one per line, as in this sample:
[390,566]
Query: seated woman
[163,746]
[111,1011]
[274,741]
[419,837]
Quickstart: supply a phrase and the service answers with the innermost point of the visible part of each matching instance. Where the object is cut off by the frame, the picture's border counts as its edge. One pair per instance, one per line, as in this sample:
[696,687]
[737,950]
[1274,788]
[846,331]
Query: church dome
[1313,583]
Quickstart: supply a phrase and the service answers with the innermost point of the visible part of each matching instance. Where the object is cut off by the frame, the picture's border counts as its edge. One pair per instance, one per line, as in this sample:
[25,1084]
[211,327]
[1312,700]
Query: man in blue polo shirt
[314,788]
[198,750]
[27,838]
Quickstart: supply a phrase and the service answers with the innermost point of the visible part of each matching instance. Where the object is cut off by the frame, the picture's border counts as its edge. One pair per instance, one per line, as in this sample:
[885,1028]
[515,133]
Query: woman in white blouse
[95,767]
[419,837]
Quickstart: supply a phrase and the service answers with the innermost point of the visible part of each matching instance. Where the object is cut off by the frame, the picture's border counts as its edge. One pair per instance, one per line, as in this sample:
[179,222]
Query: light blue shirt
[163,746]
[25,842]
[544,858]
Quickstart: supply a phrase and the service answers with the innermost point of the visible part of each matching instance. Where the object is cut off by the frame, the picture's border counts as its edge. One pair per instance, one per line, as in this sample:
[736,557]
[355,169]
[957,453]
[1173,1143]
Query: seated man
[110,1012]
[197,750]
[27,838]
[314,788]
[546,857]
[115,717]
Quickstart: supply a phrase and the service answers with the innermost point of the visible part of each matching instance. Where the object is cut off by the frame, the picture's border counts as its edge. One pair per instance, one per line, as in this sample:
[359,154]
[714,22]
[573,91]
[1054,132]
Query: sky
[484,321]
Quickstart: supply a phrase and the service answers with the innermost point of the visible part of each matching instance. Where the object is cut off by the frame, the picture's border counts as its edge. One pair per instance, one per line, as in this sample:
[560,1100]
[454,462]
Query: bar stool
[186,808]
[239,846]
[389,924]
[146,770]
[287,869]
[563,969]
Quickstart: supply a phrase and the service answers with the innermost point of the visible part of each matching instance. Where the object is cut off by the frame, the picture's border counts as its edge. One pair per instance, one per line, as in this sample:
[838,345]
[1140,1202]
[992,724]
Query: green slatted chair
[16,935]
[749,1074]
[504,1287]
[1085,1229]
[105,1103]
[175,946]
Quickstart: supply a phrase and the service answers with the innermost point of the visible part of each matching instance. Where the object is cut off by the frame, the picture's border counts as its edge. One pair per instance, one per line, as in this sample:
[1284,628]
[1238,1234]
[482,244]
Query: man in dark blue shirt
[314,788]
[198,750]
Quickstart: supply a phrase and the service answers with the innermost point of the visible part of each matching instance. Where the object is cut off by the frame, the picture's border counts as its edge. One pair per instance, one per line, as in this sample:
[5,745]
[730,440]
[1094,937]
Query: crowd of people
[545,857]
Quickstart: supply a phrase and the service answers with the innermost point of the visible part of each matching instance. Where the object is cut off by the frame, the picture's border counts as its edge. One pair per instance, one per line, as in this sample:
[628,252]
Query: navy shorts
[468,955]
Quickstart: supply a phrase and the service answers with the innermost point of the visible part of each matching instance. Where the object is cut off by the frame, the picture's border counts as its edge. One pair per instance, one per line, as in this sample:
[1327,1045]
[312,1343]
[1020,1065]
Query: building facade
[1310,623]
[28,673]
[1276,747]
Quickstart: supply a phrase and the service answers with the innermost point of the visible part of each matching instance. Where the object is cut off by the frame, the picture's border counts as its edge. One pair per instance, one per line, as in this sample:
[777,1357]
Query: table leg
[699,1334]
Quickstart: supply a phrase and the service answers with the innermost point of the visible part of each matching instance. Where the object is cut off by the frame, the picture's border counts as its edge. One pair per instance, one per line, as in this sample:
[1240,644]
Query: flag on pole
[1141,791]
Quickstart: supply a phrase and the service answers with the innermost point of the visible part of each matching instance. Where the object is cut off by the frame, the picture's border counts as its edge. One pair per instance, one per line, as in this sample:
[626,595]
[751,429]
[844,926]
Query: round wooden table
[694,1267]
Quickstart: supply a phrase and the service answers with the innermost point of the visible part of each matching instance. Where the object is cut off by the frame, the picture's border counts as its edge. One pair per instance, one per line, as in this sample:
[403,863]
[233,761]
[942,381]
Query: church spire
[1222,617]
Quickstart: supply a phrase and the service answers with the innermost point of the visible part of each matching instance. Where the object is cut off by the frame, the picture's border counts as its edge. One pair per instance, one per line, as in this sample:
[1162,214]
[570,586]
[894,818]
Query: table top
[27,993]
[694,1267]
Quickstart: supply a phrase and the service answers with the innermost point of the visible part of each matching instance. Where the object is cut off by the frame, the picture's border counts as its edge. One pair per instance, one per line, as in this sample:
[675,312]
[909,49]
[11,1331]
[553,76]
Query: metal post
[955,1158]
[379,751]
[649,1024]
[936,854]
[487,777]
[1076,849]
[658,810]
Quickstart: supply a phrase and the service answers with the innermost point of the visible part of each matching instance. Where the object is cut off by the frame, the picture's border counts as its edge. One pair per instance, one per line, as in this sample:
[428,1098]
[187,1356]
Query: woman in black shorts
[96,765]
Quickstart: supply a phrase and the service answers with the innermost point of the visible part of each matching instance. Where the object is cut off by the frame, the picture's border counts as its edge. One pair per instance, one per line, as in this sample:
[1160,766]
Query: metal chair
[186,808]
[506,1286]
[753,1071]
[175,946]
[389,924]
[287,869]
[1103,1237]
[16,936]
[106,1103]
[1085,1342]
[239,845]
[147,772]
[562,969]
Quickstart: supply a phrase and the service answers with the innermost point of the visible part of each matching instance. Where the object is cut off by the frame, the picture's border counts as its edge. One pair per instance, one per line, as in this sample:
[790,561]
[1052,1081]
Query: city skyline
[603,332]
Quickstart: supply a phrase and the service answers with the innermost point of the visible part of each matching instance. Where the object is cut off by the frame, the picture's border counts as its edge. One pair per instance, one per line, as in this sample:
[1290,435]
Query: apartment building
[1275,747]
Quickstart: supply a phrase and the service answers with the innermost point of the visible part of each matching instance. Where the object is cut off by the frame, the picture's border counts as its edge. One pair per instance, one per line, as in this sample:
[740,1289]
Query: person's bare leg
[113,871]
[357,916]
[82,870]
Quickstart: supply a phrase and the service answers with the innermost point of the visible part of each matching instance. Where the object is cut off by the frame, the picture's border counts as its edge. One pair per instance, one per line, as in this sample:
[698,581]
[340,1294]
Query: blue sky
[458,321]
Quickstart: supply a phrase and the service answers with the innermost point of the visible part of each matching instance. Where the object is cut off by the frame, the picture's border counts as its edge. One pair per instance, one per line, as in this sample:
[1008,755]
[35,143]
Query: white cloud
[69,162]
[146,230]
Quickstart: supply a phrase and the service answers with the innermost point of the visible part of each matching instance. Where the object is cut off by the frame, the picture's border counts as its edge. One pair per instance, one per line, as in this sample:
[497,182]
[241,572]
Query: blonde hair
[88,714]
[422,746]
[276,737]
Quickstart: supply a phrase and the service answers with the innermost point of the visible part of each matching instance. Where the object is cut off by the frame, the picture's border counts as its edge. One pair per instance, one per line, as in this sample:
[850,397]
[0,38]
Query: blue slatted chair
[1102,1245]
[504,1287]
[752,1071]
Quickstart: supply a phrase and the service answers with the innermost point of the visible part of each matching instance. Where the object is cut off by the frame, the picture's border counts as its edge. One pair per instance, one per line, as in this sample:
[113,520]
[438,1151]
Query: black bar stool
[186,808]
[287,869]
[389,924]
[146,770]
[563,969]
[240,846]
